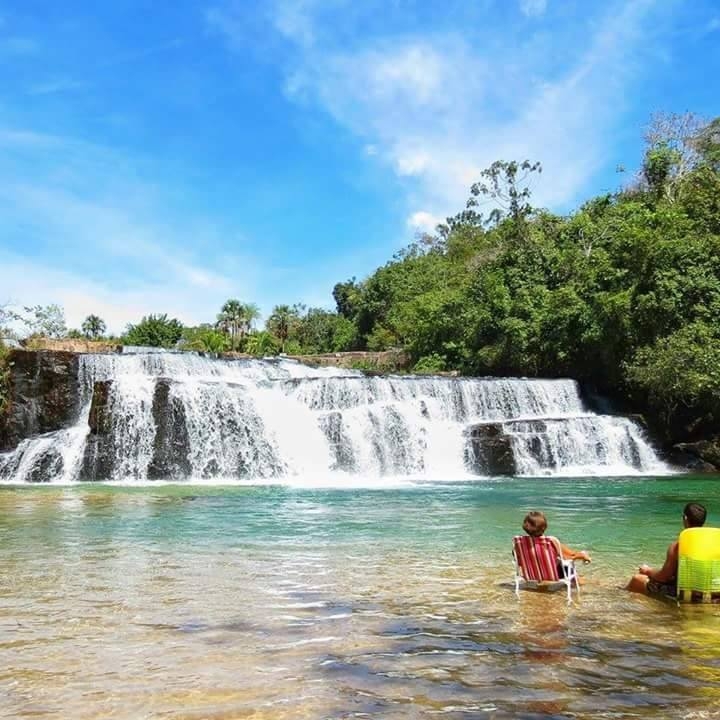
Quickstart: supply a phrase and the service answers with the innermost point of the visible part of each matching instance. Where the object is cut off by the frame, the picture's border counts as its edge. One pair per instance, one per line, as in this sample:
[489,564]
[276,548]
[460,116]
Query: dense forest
[622,294]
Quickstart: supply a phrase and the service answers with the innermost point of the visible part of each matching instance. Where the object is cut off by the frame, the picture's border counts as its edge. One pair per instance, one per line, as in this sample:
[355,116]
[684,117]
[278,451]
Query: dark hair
[695,514]
[535,523]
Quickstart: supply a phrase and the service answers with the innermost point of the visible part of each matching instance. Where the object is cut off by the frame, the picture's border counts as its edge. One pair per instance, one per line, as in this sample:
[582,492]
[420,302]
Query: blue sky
[163,157]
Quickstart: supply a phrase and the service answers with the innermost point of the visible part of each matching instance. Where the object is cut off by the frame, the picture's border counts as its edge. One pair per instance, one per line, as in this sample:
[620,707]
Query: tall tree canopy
[154,331]
[624,293]
[93,327]
[236,320]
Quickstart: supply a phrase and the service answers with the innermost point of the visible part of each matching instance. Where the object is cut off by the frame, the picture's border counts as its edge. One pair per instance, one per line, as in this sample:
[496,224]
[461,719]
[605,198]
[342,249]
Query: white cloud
[30,282]
[424,221]
[533,8]
[411,161]
[438,108]
[293,19]
[105,242]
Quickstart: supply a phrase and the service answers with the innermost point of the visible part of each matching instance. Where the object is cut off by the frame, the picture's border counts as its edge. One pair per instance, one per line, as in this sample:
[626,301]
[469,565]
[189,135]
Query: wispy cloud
[97,241]
[424,221]
[533,8]
[437,107]
[54,86]
[141,53]
[294,20]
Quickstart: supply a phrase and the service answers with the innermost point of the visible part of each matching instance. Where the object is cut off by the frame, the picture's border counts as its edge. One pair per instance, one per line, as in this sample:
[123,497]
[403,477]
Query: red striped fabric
[537,557]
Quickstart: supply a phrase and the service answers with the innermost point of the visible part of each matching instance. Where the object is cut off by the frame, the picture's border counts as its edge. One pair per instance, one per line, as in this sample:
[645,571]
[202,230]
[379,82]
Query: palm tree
[280,323]
[236,319]
[93,327]
[251,313]
[229,320]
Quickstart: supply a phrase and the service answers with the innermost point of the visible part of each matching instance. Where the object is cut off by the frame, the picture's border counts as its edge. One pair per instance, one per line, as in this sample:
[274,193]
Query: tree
[676,144]
[707,143]
[346,296]
[251,314]
[660,166]
[506,185]
[322,331]
[236,319]
[262,344]
[154,331]
[678,132]
[7,317]
[280,323]
[204,338]
[46,320]
[93,327]
[680,372]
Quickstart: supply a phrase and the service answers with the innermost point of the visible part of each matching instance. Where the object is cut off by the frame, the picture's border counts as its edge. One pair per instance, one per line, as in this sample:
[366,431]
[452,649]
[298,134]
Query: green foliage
[346,296]
[93,327]
[262,344]
[507,185]
[321,331]
[282,321]
[429,364]
[624,293]
[204,338]
[45,321]
[707,142]
[658,167]
[154,331]
[236,320]
[682,370]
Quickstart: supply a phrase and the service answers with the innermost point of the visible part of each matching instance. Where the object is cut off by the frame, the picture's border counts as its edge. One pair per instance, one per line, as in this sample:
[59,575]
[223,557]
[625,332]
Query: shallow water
[276,602]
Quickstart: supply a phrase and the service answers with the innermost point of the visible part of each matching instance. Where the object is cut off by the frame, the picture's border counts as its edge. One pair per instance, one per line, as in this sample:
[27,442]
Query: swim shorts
[654,587]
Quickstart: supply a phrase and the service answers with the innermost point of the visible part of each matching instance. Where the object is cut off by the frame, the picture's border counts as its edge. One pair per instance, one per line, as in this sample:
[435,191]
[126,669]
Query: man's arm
[569,554]
[668,571]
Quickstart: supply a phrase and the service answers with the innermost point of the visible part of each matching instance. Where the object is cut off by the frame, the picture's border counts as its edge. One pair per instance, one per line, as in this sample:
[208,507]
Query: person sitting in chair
[535,525]
[663,582]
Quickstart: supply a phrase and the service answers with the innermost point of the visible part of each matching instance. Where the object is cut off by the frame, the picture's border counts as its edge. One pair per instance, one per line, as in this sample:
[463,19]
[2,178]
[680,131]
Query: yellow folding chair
[699,564]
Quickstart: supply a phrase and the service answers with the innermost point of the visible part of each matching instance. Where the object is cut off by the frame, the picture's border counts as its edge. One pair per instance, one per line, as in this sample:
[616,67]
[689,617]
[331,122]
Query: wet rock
[99,455]
[332,425]
[489,450]
[99,419]
[701,456]
[44,395]
[48,466]
[527,427]
[171,449]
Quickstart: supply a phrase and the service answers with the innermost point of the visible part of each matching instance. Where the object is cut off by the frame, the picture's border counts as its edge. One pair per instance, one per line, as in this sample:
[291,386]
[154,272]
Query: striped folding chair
[698,564]
[539,562]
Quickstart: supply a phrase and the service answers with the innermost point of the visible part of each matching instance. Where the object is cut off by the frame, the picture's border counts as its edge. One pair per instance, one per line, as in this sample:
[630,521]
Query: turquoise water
[193,601]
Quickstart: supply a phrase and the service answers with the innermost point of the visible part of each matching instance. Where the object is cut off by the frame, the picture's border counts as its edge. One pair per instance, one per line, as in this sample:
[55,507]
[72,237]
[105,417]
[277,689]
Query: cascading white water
[180,416]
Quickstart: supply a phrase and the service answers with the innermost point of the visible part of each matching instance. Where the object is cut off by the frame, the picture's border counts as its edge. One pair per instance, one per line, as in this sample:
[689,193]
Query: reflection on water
[181,602]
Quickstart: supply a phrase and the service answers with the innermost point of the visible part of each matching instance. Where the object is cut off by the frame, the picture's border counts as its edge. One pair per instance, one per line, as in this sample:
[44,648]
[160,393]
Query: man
[663,582]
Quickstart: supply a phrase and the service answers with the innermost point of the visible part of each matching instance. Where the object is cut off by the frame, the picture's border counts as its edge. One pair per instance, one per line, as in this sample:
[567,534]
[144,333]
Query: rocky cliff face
[99,453]
[171,448]
[43,395]
[489,450]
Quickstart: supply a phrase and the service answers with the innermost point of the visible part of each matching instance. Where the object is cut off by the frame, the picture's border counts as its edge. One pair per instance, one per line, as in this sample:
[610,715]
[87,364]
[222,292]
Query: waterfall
[163,416]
